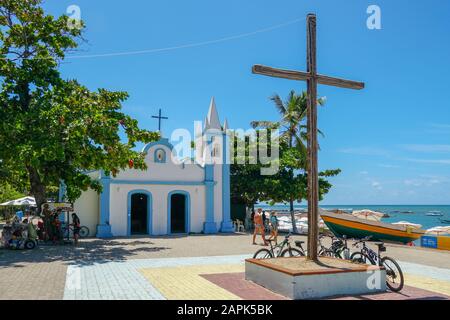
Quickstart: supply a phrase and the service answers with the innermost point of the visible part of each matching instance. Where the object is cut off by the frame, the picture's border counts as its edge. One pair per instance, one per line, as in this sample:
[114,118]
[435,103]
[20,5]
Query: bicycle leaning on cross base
[279,251]
[394,275]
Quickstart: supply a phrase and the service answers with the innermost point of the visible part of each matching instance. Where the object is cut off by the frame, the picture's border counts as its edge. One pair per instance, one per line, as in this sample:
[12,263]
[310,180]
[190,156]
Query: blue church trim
[161,142]
[158,182]
[187,211]
[226,225]
[149,210]
[209,226]
[104,228]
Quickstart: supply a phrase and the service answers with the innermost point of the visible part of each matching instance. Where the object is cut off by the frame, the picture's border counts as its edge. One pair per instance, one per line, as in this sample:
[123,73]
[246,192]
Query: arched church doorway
[178,213]
[139,213]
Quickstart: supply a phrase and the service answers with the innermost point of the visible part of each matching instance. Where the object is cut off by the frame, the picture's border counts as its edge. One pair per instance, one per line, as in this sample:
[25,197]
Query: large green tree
[52,128]
[289,185]
[293,134]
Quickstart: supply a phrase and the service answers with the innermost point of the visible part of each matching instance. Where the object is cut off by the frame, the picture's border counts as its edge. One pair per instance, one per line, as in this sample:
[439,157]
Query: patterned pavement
[213,278]
[194,267]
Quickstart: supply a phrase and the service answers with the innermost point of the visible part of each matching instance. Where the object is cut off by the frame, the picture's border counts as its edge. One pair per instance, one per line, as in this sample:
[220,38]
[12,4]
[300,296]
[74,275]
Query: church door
[178,213]
[139,207]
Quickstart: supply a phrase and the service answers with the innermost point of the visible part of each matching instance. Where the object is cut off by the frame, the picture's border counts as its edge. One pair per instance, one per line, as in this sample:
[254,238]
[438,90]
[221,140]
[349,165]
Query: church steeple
[213,117]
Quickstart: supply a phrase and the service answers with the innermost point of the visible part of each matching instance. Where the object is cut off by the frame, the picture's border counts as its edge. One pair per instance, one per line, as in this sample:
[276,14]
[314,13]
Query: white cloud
[431,161]
[388,166]
[365,151]
[376,185]
[428,148]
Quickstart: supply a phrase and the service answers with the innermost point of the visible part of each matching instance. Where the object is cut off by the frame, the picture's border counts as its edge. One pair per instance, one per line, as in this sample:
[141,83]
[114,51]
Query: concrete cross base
[299,278]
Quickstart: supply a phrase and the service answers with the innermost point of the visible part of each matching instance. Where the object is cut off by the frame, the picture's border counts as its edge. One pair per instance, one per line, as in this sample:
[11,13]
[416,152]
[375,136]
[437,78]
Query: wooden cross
[312,79]
[159,117]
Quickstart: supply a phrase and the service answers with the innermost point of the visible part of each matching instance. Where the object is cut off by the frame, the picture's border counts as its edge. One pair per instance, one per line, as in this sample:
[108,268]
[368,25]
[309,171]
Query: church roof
[213,117]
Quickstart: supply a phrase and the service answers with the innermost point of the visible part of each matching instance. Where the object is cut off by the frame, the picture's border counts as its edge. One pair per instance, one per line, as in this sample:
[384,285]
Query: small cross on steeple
[159,117]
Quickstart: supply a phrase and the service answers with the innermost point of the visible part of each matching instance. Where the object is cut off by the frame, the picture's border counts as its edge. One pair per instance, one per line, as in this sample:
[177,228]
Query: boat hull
[341,225]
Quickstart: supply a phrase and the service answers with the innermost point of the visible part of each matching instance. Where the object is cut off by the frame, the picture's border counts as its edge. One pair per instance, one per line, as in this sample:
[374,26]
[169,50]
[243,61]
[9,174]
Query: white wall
[87,208]
[119,204]
[169,171]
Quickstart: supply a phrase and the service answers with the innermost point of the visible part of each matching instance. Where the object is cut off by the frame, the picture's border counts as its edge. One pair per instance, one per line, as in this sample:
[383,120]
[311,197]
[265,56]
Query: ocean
[410,213]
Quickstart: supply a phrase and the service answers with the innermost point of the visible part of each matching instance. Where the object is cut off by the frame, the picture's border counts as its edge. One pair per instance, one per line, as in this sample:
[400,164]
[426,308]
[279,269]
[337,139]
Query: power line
[190,45]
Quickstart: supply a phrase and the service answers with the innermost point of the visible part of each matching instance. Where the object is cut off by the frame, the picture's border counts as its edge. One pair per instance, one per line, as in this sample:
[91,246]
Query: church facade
[173,196]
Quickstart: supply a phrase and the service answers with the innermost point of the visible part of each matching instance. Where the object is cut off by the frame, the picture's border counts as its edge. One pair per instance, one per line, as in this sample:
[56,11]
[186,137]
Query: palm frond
[278,104]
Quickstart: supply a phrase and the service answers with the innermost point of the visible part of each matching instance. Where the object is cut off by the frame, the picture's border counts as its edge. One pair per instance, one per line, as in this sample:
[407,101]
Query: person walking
[76,228]
[273,223]
[259,227]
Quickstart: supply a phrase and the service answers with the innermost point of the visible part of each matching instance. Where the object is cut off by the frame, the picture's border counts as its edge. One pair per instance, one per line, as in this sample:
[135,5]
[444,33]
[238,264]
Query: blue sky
[391,140]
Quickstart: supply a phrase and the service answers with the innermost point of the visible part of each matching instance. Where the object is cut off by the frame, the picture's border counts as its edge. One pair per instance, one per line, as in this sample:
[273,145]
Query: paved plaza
[206,267]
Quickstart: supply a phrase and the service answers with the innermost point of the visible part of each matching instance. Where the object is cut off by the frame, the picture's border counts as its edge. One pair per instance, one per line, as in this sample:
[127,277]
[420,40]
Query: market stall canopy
[25,201]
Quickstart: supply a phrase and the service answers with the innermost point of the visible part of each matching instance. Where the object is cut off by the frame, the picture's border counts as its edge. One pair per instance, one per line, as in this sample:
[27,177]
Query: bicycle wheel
[84,232]
[263,254]
[326,253]
[293,252]
[358,257]
[394,275]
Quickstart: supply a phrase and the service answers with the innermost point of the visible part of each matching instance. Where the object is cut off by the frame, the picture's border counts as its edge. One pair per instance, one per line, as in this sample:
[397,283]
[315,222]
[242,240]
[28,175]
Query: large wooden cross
[159,117]
[312,79]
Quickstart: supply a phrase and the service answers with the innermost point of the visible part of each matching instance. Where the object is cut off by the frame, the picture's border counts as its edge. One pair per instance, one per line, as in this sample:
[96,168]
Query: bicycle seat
[380,246]
[299,243]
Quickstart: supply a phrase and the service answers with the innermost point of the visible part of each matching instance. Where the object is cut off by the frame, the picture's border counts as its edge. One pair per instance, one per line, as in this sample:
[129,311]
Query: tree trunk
[291,209]
[291,200]
[37,188]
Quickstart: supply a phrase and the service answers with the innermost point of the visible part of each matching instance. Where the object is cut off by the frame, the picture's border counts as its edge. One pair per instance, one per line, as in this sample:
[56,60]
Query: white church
[171,197]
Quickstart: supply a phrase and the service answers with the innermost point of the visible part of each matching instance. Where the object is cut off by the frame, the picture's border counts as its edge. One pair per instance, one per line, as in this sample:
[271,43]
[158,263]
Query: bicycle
[338,249]
[68,231]
[281,252]
[393,270]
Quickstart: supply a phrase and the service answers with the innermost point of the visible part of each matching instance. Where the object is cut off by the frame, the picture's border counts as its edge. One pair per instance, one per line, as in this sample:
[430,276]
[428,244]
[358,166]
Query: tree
[54,129]
[293,133]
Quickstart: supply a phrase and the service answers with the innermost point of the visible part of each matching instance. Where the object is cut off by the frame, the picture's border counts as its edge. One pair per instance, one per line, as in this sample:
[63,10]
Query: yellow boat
[345,224]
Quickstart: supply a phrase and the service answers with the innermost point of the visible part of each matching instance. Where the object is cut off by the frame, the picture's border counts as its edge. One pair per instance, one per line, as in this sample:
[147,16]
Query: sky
[391,140]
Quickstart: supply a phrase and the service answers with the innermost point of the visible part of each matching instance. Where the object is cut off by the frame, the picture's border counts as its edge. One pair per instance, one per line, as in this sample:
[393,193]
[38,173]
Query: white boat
[434,214]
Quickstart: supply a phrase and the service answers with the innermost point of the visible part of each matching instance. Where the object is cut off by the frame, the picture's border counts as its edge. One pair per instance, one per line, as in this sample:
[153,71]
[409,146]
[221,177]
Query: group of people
[259,220]
[51,226]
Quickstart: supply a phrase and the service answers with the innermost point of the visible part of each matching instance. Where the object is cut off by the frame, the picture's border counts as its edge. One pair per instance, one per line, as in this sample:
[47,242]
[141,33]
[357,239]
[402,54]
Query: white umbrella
[368,215]
[408,224]
[25,201]
[438,230]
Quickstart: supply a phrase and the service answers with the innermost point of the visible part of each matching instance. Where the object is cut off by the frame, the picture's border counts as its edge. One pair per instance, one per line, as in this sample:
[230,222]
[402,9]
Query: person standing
[76,228]
[273,223]
[259,227]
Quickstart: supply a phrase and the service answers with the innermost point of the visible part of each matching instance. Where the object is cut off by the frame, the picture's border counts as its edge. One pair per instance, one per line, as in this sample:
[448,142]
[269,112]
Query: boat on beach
[353,227]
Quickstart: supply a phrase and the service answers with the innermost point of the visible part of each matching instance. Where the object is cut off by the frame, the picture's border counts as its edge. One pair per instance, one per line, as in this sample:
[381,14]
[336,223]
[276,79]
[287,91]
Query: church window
[160,156]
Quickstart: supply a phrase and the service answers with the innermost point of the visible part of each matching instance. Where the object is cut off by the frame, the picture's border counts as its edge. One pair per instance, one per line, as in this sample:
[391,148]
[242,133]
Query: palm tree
[292,126]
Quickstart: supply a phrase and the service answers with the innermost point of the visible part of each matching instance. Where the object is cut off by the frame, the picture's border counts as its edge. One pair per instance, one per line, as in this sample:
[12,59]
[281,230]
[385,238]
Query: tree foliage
[52,128]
